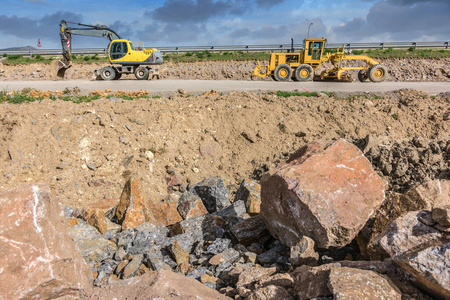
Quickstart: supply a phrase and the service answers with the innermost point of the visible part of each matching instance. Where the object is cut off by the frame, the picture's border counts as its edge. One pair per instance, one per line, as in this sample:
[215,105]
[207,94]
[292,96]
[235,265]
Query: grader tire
[282,72]
[108,73]
[362,75]
[377,73]
[304,73]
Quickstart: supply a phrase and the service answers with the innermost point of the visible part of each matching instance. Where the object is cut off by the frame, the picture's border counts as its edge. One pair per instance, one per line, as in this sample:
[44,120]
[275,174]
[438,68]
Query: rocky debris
[441,215]
[132,209]
[214,194]
[325,191]
[249,231]
[404,233]
[250,192]
[430,266]
[164,212]
[407,163]
[36,246]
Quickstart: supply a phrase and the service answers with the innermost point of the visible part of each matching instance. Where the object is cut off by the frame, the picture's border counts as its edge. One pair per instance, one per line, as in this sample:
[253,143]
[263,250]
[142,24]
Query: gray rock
[190,205]
[303,253]
[149,236]
[157,264]
[186,241]
[201,228]
[197,273]
[213,193]
[126,238]
[93,247]
[70,212]
[233,213]
[250,193]
[132,267]
[273,255]
[218,246]
[250,230]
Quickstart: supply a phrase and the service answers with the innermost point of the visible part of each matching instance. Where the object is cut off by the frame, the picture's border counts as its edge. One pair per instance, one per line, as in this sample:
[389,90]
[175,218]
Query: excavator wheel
[118,76]
[108,73]
[304,73]
[363,75]
[282,72]
[141,73]
[377,73]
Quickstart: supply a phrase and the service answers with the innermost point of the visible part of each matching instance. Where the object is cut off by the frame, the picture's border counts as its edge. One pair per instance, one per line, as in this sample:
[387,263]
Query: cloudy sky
[226,22]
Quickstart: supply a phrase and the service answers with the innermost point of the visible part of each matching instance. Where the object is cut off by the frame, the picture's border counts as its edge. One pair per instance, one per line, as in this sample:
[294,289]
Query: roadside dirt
[407,69]
[85,151]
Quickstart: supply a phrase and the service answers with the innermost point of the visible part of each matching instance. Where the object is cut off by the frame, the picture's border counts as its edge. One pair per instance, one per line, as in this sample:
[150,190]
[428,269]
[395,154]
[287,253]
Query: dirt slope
[85,151]
[407,69]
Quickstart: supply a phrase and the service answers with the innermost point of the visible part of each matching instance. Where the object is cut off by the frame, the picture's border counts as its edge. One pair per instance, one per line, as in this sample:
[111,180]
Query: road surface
[192,86]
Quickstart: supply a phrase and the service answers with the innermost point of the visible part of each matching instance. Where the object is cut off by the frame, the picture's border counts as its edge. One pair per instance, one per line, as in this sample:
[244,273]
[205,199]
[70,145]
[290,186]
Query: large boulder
[38,258]
[326,191]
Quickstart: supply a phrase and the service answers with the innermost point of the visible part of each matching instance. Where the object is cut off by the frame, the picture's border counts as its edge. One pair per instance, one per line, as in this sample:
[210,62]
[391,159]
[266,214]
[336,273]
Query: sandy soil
[85,151]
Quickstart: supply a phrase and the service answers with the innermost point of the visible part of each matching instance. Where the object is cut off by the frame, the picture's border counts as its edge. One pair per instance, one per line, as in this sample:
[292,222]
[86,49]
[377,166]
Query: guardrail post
[246,47]
[414,45]
[446,45]
[382,46]
[176,48]
[349,48]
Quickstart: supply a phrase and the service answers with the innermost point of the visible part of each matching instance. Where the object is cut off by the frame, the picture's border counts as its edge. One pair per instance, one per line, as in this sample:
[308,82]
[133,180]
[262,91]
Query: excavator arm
[59,67]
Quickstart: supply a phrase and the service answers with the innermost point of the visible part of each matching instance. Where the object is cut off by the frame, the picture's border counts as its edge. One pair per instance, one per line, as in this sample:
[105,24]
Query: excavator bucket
[58,68]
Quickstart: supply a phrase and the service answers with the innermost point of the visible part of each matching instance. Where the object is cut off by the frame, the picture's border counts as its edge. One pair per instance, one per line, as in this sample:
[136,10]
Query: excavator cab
[313,51]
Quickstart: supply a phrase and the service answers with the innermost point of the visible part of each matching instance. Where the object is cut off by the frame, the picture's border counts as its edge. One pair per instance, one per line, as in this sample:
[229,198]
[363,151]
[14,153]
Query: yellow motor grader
[301,65]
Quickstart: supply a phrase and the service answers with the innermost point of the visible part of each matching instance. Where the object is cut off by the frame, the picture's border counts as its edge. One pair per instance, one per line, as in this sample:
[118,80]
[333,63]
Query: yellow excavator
[300,66]
[123,56]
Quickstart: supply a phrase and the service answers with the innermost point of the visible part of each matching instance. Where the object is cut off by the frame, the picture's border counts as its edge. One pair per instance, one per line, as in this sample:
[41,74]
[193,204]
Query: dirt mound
[404,69]
[85,151]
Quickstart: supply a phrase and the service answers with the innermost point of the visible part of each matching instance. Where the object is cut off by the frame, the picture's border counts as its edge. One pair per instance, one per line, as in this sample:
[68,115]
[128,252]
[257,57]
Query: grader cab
[301,65]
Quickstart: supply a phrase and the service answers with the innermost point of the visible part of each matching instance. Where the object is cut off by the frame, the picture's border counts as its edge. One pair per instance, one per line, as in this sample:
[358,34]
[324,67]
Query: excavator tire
[118,76]
[377,73]
[282,72]
[362,75]
[141,73]
[108,73]
[304,73]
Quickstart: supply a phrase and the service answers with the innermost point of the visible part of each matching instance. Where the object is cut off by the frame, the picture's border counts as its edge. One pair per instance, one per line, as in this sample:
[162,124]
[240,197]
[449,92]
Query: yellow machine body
[123,52]
[301,65]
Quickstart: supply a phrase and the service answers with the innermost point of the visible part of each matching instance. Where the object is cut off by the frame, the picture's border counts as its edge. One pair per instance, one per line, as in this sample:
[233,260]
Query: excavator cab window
[315,50]
[118,50]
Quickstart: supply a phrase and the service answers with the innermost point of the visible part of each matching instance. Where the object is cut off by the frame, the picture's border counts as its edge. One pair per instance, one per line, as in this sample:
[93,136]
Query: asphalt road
[160,86]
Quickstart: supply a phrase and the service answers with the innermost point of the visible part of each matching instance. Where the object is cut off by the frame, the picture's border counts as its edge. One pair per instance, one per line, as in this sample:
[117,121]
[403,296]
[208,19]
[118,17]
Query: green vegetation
[17,97]
[229,55]
[290,94]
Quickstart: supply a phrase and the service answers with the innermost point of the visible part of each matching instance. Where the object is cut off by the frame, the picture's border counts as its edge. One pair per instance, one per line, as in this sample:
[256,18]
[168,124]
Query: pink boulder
[326,191]
[38,257]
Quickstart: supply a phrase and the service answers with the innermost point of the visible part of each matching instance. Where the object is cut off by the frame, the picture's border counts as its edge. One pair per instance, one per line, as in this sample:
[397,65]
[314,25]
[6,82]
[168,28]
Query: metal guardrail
[246,48]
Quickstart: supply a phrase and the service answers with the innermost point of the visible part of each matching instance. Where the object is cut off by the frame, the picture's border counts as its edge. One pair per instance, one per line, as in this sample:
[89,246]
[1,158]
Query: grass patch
[17,97]
[290,94]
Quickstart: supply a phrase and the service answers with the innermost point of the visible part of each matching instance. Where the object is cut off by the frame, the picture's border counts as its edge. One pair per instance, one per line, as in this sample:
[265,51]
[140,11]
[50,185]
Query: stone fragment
[199,273]
[246,276]
[96,218]
[108,206]
[270,292]
[132,210]
[218,246]
[250,192]
[38,257]
[93,247]
[430,266]
[273,255]
[233,213]
[250,230]
[213,193]
[402,235]
[281,279]
[149,237]
[161,284]
[178,253]
[165,212]
[311,282]
[325,191]
[441,215]
[304,253]
[430,194]
[190,205]
[132,268]
[348,283]
[229,255]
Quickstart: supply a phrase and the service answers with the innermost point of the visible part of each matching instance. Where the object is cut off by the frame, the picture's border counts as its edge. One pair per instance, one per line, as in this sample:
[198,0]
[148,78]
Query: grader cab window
[315,50]
[119,50]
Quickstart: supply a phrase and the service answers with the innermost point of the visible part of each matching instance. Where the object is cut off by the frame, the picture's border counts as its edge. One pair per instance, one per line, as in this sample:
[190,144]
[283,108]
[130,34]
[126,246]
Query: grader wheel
[377,73]
[363,75]
[282,72]
[304,73]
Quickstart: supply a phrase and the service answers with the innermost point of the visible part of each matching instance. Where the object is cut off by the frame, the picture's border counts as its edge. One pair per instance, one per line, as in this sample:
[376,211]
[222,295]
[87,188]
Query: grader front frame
[301,65]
